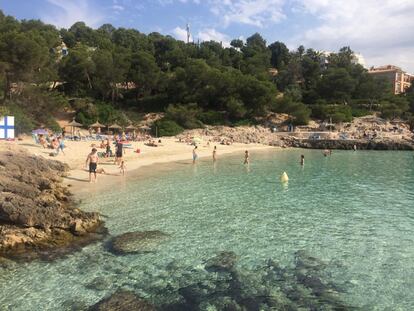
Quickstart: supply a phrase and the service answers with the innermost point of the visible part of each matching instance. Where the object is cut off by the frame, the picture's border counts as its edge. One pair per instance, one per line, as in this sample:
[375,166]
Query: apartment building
[399,79]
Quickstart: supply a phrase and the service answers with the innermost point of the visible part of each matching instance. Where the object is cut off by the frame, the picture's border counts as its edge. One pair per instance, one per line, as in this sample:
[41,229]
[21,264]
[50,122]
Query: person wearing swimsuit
[195,156]
[92,159]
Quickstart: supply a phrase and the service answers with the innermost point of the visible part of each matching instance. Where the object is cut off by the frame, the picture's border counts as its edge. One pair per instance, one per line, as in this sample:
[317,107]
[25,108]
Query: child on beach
[122,167]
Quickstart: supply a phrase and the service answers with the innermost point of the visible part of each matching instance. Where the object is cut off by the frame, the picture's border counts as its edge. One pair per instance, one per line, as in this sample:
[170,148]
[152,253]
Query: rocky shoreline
[38,217]
[349,144]
[263,135]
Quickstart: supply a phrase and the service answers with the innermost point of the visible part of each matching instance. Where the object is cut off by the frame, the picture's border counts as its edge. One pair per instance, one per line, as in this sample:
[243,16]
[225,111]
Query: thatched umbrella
[145,128]
[74,124]
[97,125]
[115,127]
[130,128]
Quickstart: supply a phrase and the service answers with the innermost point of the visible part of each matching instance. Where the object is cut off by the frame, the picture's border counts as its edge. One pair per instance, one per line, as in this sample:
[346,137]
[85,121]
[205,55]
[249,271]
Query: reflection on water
[340,235]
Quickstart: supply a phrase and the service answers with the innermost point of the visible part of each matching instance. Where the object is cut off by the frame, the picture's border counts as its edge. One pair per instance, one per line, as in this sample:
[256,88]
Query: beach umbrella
[130,127]
[115,126]
[97,125]
[144,128]
[40,132]
[74,124]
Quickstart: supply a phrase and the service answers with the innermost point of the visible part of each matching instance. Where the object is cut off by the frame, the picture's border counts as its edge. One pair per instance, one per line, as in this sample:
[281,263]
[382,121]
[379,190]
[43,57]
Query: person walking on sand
[302,160]
[195,156]
[246,157]
[119,152]
[92,159]
[215,154]
[122,167]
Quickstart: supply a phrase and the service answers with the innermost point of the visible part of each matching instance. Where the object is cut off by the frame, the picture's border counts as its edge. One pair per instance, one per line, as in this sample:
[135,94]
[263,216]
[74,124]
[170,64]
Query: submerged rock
[222,262]
[123,300]
[99,283]
[36,212]
[137,242]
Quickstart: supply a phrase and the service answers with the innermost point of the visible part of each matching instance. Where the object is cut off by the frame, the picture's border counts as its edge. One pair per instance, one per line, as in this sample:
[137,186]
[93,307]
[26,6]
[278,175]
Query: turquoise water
[354,211]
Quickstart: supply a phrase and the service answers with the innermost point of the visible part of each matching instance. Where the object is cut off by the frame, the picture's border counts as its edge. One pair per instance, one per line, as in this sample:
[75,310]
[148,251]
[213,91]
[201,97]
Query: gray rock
[123,300]
[99,283]
[137,242]
[222,262]
[35,208]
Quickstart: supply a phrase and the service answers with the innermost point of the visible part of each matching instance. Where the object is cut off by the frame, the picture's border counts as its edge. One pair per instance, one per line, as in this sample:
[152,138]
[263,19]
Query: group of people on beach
[92,159]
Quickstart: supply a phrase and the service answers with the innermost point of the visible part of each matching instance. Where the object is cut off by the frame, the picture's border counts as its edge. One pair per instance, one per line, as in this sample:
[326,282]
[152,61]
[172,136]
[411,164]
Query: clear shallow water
[353,210]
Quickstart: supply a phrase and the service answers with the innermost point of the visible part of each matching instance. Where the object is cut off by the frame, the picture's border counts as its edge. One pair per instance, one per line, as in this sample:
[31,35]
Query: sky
[381,30]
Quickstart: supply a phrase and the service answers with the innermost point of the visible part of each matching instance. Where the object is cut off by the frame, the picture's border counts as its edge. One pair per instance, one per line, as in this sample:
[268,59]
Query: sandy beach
[169,150]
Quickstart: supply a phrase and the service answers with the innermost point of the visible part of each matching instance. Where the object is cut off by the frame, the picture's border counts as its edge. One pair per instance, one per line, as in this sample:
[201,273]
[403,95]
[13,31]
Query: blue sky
[381,30]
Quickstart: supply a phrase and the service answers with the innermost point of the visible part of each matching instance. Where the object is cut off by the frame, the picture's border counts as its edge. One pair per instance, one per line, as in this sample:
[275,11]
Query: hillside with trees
[114,74]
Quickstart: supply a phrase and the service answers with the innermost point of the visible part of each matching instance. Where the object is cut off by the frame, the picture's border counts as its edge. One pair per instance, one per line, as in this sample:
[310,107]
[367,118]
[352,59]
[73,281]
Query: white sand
[170,150]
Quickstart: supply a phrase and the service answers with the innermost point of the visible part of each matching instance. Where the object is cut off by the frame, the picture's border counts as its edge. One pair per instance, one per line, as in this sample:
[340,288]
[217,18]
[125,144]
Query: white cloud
[118,7]
[70,12]
[259,13]
[380,30]
[180,34]
[210,34]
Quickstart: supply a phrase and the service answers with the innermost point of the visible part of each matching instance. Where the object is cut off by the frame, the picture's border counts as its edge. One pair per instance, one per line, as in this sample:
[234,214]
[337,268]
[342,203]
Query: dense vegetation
[112,74]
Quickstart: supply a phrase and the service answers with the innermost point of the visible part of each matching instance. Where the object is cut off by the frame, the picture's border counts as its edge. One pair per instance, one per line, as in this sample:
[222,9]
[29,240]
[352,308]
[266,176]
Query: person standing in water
[122,167]
[215,154]
[195,156]
[246,157]
[302,160]
[92,159]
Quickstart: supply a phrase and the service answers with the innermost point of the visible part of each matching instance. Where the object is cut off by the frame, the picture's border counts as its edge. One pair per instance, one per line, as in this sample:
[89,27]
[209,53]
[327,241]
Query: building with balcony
[399,79]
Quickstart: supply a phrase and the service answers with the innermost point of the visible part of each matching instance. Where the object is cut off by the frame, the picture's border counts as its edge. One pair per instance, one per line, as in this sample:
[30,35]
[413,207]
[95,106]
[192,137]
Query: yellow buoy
[284,177]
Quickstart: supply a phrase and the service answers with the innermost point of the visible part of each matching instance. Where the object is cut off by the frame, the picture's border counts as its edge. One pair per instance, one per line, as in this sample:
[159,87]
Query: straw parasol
[144,128]
[114,127]
[97,125]
[74,124]
[130,127]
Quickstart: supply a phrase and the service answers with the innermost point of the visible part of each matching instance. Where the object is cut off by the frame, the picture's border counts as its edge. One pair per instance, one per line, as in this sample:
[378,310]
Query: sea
[338,234]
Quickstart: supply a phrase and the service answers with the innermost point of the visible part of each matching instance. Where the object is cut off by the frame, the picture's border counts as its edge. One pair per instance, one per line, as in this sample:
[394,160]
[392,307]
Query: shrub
[301,115]
[184,115]
[212,117]
[24,124]
[166,128]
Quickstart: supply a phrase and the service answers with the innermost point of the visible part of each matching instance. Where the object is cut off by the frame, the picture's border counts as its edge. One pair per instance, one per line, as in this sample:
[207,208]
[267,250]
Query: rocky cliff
[37,214]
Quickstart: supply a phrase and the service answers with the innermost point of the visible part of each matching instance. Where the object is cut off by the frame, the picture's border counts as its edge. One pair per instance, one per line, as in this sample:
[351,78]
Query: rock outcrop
[137,242]
[36,211]
[349,144]
[123,300]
